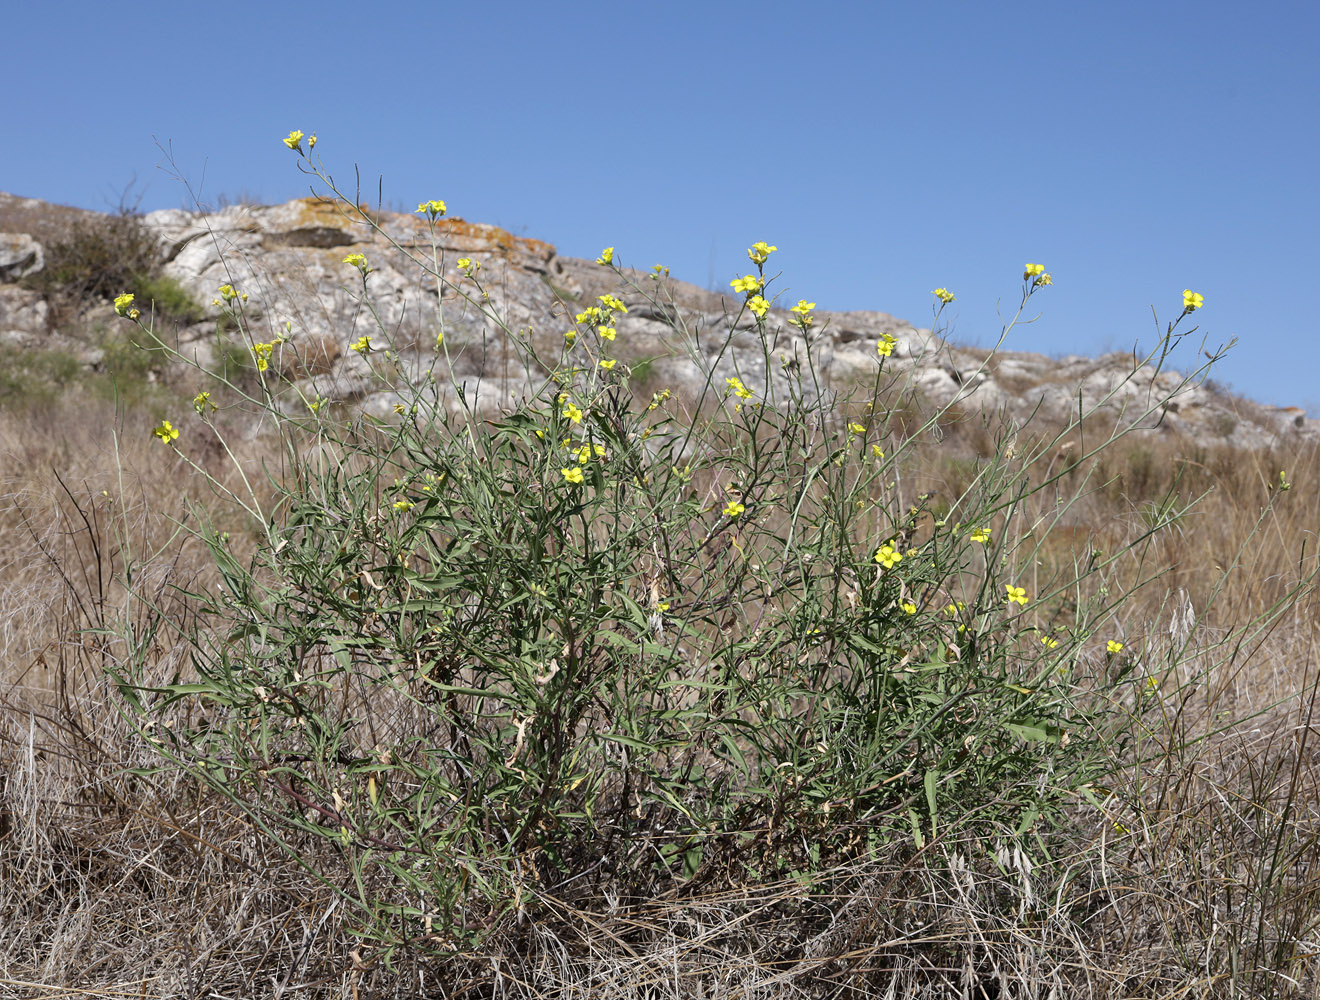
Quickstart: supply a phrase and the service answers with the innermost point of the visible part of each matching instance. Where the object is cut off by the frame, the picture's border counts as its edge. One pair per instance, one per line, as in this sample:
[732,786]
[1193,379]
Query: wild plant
[596,646]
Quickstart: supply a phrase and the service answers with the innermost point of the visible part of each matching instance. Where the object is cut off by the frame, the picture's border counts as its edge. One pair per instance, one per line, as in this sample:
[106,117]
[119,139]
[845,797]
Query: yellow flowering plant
[504,638]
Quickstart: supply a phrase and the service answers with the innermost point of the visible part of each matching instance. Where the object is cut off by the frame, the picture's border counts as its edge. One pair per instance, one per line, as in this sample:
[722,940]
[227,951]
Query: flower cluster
[738,389]
[944,295]
[606,256]
[261,353]
[601,319]
[432,208]
[759,252]
[586,452]
[1035,273]
[802,313]
[885,345]
[360,262]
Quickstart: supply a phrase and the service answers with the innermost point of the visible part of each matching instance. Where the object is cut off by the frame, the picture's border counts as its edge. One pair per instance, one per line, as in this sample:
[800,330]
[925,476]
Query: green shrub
[173,304]
[30,376]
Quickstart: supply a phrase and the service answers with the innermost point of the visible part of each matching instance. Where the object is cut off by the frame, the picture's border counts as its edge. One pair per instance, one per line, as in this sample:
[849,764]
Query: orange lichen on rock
[328,212]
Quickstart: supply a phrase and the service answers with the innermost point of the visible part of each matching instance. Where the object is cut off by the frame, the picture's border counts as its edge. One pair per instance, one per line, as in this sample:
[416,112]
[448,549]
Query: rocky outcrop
[20,256]
[288,260]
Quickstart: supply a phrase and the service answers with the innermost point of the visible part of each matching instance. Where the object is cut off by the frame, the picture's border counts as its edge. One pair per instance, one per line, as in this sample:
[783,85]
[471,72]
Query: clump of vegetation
[619,692]
[99,256]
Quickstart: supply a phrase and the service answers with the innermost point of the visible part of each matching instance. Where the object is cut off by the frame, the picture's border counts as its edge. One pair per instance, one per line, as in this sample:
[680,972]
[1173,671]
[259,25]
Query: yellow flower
[122,302]
[610,302]
[609,363]
[201,401]
[357,260]
[856,428]
[1045,279]
[362,345]
[316,406]
[403,504]
[739,390]
[944,295]
[1192,301]
[591,315]
[759,252]
[1113,647]
[134,314]
[909,607]
[1032,270]
[606,256]
[585,453]
[758,305]
[573,475]
[955,607]
[803,307]
[468,266]
[573,413]
[608,332]
[981,535]
[167,432]
[733,508]
[433,208]
[747,283]
[228,293]
[877,451]
[885,346]
[1049,643]
[311,141]
[662,607]
[1017,594]
[400,409]
[294,141]
[888,555]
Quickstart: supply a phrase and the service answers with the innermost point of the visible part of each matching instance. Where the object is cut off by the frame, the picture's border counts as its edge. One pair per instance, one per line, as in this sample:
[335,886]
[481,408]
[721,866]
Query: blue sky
[1135,149]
